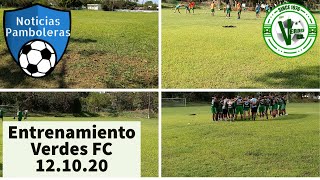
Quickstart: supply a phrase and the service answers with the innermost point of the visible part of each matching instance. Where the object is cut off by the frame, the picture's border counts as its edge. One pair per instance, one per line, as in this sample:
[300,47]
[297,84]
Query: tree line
[206,96]
[307,3]
[78,102]
[107,5]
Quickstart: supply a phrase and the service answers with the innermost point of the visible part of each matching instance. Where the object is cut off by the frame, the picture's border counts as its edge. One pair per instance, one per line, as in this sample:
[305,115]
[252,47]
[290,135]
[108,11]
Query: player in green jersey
[262,107]
[267,104]
[1,114]
[20,115]
[239,107]
[214,109]
[246,108]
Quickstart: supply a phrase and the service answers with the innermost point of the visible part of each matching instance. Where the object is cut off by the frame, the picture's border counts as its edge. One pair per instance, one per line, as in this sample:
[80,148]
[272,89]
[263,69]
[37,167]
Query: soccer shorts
[212,10]
[230,111]
[239,11]
[239,109]
[213,110]
[254,109]
[246,108]
[283,107]
[262,108]
[228,10]
[224,111]
[275,107]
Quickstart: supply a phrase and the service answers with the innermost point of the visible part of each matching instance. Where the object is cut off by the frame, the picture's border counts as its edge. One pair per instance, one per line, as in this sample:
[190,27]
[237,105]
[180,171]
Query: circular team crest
[290,30]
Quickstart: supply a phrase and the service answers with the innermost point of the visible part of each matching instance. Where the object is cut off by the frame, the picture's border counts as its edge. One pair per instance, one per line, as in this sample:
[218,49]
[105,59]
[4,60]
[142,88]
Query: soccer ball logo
[37,58]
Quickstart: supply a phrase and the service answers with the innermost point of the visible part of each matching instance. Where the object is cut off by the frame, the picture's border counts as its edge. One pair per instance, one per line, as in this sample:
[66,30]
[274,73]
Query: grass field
[197,52]
[106,50]
[149,139]
[196,146]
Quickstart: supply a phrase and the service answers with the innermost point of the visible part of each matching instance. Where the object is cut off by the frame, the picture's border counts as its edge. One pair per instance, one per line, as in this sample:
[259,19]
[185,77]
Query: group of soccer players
[189,6]
[228,108]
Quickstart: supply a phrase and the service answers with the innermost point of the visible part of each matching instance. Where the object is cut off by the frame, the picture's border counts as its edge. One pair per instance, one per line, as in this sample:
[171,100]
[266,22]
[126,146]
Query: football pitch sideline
[198,52]
[149,138]
[106,50]
[288,146]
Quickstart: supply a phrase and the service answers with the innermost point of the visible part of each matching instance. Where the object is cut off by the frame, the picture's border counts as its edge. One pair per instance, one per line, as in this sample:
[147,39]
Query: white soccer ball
[37,58]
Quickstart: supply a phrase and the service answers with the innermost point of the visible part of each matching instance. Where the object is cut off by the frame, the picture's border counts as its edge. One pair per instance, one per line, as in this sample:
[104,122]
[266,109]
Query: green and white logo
[290,30]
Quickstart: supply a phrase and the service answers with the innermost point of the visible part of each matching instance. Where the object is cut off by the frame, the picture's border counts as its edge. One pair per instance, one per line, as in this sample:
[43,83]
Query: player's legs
[266,111]
[253,113]
[236,113]
[241,113]
[245,114]
[231,114]
[284,110]
[225,114]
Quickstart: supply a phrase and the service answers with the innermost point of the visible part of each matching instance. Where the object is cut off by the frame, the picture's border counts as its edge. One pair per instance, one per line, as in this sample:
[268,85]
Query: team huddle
[225,108]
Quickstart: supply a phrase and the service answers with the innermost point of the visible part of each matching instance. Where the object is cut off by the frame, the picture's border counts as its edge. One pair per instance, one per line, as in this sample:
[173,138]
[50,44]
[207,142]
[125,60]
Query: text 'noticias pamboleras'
[37,22]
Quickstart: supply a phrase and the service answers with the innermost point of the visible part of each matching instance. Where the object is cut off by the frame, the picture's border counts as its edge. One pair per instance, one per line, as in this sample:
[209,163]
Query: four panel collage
[219,88]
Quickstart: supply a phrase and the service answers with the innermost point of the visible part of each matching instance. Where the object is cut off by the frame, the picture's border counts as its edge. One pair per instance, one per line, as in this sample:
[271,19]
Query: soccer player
[258,8]
[225,108]
[187,8]
[230,104]
[25,113]
[246,108]
[177,8]
[267,9]
[214,109]
[20,115]
[212,8]
[239,9]
[254,106]
[1,114]
[220,104]
[192,5]
[239,107]
[262,107]
[284,105]
[280,102]
[228,10]
[271,102]
[267,103]
[274,107]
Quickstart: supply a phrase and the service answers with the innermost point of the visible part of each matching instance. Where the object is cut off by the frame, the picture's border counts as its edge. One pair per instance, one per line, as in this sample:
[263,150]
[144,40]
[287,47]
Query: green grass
[149,139]
[196,146]
[106,50]
[197,52]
